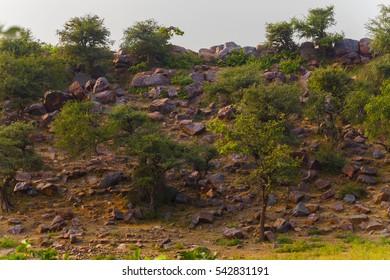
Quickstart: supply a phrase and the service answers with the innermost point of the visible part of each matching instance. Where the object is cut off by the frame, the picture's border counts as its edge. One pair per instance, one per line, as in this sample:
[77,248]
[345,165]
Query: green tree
[16,153]
[380,30]
[78,130]
[280,36]
[85,39]
[149,41]
[9,32]
[314,27]
[22,45]
[263,142]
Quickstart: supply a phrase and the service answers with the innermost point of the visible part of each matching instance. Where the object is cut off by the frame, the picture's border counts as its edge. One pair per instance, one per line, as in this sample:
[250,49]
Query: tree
[15,153]
[380,30]
[314,27]
[280,36]
[10,32]
[22,45]
[262,141]
[85,39]
[149,41]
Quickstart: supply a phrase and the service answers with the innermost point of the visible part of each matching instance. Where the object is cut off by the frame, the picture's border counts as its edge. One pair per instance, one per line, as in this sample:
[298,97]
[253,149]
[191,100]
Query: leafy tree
[22,45]
[24,79]
[280,36]
[15,153]
[85,39]
[77,129]
[330,87]
[261,140]
[9,32]
[380,29]
[314,27]
[355,102]
[149,41]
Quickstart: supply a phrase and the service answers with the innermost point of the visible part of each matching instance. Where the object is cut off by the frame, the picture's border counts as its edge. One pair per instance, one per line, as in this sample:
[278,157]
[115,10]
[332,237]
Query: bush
[182,79]
[183,61]
[289,66]
[354,111]
[236,58]
[199,253]
[330,160]
[7,242]
[355,188]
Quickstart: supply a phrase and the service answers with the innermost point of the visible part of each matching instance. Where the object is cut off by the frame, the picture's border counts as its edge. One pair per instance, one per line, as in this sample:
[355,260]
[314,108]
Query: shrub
[181,78]
[330,160]
[183,61]
[354,111]
[236,58]
[355,188]
[289,66]
[7,242]
[199,253]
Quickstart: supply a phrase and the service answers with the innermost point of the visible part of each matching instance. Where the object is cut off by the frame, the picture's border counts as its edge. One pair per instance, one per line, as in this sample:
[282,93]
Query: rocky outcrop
[149,79]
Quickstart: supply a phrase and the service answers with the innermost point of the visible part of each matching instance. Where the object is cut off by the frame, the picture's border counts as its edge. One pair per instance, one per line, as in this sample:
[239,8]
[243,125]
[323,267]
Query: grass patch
[284,240]
[355,188]
[229,242]
[7,242]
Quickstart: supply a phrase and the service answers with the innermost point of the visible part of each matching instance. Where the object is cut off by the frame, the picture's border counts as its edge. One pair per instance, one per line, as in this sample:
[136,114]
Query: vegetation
[380,30]
[280,36]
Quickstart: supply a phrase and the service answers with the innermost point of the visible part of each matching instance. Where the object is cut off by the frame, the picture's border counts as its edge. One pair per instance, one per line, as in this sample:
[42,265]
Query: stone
[111,179]
[346,46]
[150,80]
[338,207]
[181,198]
[349,198]
[327,195]
[313,207]
[272,199]
[270,236]
[365,170]
[156,116]
[349,170]
[42,228]
[130,218]
[300,210]
[346,226]
[23,187]
[312,218]
[198,77]
[217,178]
[365,47]
[77,90]
[48,189]
[227,49]
[118,215]
[54,100]
[322,184]
[101,84]
[57,223]
[367,179]
[357,219]
[226,112]
[231,233]
[362,209]
[172,92]
[295,196]
[282,226]
[194,89]
[382,196]
[37,109]
[90,84]
[66,214]
[176,50]
[156,92]
[46,119]
[195,128]
[163,105]
[18,229]
[204,217]
[374,225]
[308,51]
[23,177]
[206,54]
[104,97]
[377,154]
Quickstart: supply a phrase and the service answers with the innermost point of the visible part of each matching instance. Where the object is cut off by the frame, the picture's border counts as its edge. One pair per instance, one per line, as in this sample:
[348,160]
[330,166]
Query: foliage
[199,253]
[330,161]
[142,66]
[314,27]
[232,81]
[280,36]
[289,66]
[149,41]
[182,79]
[229,242]
[353,187]
[236,58]
[10,32]
[183,61]
[300,246]
[85,39]
[284,240]
[380,29]
[7,242]
[21,45]
[335,81]
[375,72]
[24,251]
[354,106]
[77,129]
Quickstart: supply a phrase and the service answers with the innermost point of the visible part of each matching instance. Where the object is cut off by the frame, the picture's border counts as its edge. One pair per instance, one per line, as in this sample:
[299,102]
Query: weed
[300,246]
[181,78]
[351,238]
[355,188]
[229,242]
[284,240]
[7,242]
[199,253]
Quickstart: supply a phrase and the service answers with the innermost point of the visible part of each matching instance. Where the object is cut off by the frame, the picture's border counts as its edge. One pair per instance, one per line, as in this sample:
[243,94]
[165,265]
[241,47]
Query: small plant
[330,161]
[300,246]
[284,240]
[229,242]
[351,238]
[7,242]
[290,66]
[200,253]
[143,66]
[355,188]
[236,58]
[181,78]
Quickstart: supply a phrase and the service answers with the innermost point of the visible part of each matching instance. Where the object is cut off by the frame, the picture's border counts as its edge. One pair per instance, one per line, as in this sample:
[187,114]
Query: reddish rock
[77,90]
[231,233]
[382,196]
[327,195]
[312,218]
[57,224]
[269,235]
[101,84]
[18,229]
[195,128]
[322,184]
[163,105]
[349,170]
[157,116]
[54,100]
[226,112]
[358,219]
[295,196]
[282,226]
[313,207]
[42,228]
[311,175]
[149,80]
[362,209]
[346,226]
[47,188]
[374,225]
[105,97]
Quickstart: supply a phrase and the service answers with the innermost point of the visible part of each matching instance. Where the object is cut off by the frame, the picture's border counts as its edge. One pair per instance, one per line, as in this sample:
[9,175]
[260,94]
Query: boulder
[105,97]
[163,105]
[327,195]
[194,89]
[367,179]
[357,219]
[227,49]
[18,229]
[382,196]
[101,84]
[57,223]
[198,77]
[295,196]
[361,209]
[176,50]
[231,233]
[300,210]
[374,225]
[282,226]
[37,109]
[377,154]
[195,128]
[54,100]
[346,46]
[322,184]
[352,58]
[77,90]
[206,54]
[308,51]
[365,47]
[204,217]
[47,188]
[349,198]
[146,79]
[226,112]
[349,170]
[111,179]
[157,116]
[81,78]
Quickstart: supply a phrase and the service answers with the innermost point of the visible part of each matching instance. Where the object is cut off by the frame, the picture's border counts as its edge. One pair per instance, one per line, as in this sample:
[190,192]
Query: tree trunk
[262,214]
[6,205]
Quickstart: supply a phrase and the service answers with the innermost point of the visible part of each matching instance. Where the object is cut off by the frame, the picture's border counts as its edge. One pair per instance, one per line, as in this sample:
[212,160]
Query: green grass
[284,240]
[229,242]
[7,242]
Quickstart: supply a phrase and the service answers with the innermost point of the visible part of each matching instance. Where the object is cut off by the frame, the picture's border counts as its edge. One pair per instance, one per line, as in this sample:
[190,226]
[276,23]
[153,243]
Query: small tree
[149,41]
[380,30]
[280,36]
[22,45]
[85,39]
[314,27]
[15,154]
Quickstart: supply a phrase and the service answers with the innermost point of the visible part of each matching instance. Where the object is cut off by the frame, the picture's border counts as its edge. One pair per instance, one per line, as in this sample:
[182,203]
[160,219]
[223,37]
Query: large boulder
[227,49]
[175,50]
[163,105]
[101,84]
[105,97]
[308,51]
[54,100]
[77,90]
[148,79]
[206,54]
[365,47]
[346,46]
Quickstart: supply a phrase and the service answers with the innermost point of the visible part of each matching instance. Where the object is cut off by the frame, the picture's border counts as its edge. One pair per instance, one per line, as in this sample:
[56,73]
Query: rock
[54,100]
[18,229]
[150,80]
[14,221]
[308,51]
[374,225]
[311,175]
[66,214]
[346,46]
[101,84]
[338,207]
[327,195]
[156,92]
[362,209]
[195,128]
[111,179]
[365,47]
[300,210]
[172,92]
[349,170]
[46,119]
[365,170]
[227,49]
[42,228]
[23,177]
[175,50]
[163,105]
[226,112]
[217,178]
[37,109]
[312,218]
[90,84]
[269,235]
[313,207]
[156,116]
[357,219]
[206,54]
[194,89]
[81,78]
[204,217]
[282,226]
[272,199]
[313,164]
[322,184]
[181,198]
[57,223]
[47,188]
[349,198]
[118,215]
[104,97]
[371,180]
[295,196]
[382,196]
[346,226]
[130,218]
[198,77]
[77,90]
[23,187]
[377,154]
[231,233]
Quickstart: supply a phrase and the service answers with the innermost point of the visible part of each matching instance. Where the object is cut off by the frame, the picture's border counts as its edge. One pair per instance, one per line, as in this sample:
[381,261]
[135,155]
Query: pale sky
[204,22]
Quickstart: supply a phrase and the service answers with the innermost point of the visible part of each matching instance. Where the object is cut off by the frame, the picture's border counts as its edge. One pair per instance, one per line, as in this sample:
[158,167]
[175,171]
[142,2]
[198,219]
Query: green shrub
[351,238]
[284,240]
[140,67]
[181,78]
[229,242]
[183,61]
[199,253]
[330,160]
[300,246]
[355,188]
[289,66]
[7,242]
[236,58]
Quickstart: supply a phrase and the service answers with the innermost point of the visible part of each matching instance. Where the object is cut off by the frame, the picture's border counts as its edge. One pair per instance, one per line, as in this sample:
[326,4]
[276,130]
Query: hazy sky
[205,22]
